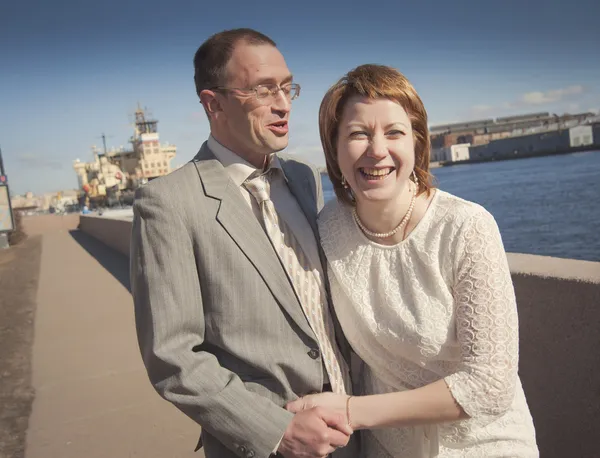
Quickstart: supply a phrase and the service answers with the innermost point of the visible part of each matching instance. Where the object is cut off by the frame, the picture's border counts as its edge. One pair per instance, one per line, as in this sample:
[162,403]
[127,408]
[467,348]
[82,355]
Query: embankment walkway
[92,396]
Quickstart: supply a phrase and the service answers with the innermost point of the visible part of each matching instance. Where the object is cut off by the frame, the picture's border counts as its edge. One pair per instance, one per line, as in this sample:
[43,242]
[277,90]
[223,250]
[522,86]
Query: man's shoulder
[292,162]
[173,183]
[173,179]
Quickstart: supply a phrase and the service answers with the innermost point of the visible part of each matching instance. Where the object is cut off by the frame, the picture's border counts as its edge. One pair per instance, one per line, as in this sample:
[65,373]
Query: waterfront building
[549,142]
[451,153]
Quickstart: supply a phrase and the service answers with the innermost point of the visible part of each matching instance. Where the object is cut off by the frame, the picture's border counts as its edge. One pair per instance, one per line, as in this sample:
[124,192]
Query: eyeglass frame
[272,92]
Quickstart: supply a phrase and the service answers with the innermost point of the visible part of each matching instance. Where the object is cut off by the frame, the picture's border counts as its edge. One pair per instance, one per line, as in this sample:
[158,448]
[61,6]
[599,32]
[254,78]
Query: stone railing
[113,232]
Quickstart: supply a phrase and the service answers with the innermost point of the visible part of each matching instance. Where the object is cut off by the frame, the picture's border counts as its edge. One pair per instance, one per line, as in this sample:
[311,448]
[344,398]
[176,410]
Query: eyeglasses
[267,92]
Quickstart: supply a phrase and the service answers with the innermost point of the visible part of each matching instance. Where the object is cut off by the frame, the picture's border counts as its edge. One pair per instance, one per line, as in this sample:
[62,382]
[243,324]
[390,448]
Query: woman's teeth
[375,174]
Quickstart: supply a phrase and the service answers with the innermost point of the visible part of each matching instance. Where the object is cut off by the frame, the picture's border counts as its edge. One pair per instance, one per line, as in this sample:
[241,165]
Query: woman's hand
[331,401]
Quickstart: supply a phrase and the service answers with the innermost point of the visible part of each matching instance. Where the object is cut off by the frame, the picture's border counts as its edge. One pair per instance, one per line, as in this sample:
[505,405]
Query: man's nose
[281,102]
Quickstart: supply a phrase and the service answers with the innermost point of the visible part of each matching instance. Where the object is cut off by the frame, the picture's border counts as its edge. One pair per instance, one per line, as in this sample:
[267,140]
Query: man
[228,330]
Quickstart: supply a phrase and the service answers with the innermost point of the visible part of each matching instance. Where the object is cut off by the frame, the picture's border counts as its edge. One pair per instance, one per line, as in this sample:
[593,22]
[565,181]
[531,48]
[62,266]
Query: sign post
[7,222]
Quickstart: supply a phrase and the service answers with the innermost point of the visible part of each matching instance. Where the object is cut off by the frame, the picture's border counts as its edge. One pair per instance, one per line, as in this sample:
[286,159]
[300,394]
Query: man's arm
[170,326]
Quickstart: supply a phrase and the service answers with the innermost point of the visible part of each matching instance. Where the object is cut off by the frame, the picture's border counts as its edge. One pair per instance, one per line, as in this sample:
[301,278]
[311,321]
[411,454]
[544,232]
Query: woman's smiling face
[375,148]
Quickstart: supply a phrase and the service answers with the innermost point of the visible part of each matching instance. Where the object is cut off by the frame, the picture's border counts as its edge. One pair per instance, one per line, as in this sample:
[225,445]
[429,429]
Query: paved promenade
[92,396]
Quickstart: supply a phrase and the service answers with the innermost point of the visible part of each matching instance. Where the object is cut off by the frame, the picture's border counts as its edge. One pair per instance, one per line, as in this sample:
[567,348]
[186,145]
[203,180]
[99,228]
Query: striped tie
[307,282]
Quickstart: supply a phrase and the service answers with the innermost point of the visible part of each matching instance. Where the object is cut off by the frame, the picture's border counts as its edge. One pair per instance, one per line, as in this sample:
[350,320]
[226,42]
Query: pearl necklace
[385,235]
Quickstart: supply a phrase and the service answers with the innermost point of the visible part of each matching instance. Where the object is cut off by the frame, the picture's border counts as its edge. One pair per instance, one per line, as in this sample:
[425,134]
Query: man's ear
[210,102]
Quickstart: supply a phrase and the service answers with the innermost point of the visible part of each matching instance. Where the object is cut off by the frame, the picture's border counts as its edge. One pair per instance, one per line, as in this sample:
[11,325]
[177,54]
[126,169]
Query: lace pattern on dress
[439,305]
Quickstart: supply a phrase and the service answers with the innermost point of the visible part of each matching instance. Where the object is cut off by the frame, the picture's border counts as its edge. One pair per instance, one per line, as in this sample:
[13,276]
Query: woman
[421,286]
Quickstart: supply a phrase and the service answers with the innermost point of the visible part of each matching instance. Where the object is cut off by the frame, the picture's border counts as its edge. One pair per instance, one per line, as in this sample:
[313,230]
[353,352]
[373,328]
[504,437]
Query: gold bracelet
[348,411]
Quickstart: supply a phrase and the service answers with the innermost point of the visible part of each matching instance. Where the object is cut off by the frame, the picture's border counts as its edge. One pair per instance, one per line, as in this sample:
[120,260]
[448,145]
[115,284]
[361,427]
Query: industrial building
[512,136]
[550,142]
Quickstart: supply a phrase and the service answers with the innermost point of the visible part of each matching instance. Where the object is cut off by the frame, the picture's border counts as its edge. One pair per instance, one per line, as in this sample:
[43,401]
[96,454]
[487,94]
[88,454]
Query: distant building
[28,201]
[554,141]
[523,118]
[56,200]
[503,134]
[468,126]
[452,153]
[581,136]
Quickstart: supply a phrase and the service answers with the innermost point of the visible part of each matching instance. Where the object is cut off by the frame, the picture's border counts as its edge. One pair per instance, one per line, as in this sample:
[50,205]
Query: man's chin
[279,145]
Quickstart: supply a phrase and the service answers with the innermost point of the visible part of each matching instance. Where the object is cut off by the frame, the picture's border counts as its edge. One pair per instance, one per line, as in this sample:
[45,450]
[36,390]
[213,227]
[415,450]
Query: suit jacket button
[242,449]
[314,353]
[250,454]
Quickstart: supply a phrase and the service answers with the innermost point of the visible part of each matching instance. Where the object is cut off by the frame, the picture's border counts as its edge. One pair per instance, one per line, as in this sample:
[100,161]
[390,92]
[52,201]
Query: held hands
[316,431]
[337,403]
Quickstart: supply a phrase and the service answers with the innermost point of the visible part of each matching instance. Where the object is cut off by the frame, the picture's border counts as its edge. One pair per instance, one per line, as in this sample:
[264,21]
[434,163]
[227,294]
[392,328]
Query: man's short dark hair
[214,54]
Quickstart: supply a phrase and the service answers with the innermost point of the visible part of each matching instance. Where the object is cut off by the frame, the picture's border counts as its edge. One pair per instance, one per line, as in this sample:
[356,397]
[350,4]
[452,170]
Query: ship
[111,178]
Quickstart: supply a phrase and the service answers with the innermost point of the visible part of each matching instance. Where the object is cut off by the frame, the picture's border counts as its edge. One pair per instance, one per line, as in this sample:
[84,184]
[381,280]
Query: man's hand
[314,433]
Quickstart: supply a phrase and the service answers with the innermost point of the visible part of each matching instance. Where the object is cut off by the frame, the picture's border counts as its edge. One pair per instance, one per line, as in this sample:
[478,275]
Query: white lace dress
[438,305]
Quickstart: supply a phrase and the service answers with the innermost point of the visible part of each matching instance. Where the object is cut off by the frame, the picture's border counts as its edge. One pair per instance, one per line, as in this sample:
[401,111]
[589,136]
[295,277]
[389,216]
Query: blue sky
[73,69]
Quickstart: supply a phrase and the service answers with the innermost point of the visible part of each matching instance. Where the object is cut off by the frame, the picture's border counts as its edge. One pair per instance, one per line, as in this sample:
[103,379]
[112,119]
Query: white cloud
[532,99]
[554,95]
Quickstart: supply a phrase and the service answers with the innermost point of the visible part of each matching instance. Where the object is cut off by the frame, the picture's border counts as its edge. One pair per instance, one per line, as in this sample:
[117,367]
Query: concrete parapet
[113,232]
[558,268]
[559,361]
[559,315]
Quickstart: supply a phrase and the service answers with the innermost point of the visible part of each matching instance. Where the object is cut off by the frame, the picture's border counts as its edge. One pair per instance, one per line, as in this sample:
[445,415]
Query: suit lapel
[239,222]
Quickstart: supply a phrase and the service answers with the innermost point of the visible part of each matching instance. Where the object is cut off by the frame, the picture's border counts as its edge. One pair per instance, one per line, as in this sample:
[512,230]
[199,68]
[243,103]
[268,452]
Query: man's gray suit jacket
[221,331]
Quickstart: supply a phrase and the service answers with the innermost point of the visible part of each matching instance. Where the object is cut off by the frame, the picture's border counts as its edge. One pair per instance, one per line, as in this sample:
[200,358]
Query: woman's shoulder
[336,226]
[467,222]
[333,212]
[458,211]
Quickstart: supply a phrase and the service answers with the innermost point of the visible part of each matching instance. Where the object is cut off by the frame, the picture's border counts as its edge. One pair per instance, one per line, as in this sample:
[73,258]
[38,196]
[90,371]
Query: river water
[546,205]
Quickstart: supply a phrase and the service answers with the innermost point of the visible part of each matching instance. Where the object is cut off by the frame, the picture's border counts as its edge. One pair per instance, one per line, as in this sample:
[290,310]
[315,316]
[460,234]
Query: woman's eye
[358,134]
[395,133]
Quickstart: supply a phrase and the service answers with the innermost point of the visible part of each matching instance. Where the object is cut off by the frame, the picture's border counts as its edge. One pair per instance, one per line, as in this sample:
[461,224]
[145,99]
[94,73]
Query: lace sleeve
[486,321]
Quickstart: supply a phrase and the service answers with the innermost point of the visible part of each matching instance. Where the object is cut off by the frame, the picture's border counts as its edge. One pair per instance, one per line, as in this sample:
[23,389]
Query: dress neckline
[425,217]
